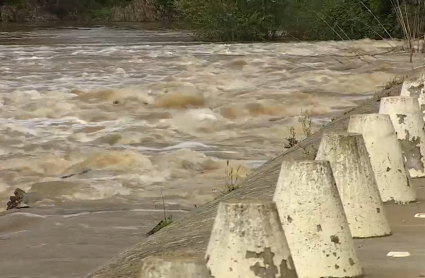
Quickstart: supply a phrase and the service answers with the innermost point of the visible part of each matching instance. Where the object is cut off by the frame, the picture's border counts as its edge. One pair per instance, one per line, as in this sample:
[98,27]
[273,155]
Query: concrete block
[356,183]
[407,119]
[386,156]
[247,241]
[314,221]
[415,88]
[173,267]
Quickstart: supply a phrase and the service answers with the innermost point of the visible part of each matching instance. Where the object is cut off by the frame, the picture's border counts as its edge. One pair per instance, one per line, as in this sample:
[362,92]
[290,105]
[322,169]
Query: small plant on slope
[232,181]
[167,220]
[306,123]
[292,140]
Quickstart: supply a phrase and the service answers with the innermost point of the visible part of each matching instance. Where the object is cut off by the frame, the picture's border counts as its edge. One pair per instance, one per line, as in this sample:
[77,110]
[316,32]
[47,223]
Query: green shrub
[356,20]
[247,20]
[233,20]
[103,14]
[342,19]
[166,8]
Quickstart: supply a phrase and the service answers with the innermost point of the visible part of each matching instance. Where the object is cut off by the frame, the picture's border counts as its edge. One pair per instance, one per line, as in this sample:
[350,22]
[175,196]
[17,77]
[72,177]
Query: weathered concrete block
[173,267]
[314,221]
[356,183]
[408,123]
[247,241]
[386,156]
[415,89]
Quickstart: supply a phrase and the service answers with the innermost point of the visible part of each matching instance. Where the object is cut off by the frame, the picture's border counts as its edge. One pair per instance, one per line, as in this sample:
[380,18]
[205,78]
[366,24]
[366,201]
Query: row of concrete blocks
[319,205]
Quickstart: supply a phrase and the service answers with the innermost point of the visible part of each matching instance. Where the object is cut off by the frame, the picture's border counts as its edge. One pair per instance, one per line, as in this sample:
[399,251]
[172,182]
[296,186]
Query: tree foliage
[354,19]
[233,20]
[230,20]
[82,9]
[246,20]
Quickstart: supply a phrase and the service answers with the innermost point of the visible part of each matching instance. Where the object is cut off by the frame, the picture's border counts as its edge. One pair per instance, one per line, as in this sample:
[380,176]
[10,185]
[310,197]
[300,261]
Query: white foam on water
[76,98]
[183,145]
[7,235]
[127,228]
[218,151]
[255,163]
[76,215]
[102,191]
[27,214]
[187,145]
[395,254]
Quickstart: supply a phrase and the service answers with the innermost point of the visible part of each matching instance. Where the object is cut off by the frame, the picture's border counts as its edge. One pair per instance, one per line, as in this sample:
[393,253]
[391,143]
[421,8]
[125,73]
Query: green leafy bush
[84,9]
[233,20]
[101,14]
[166,8]
[341,19]
[245,20]
[355,19]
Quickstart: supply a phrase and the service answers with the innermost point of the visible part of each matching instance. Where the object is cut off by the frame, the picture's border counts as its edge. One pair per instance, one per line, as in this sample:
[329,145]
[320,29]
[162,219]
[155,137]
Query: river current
[109,118]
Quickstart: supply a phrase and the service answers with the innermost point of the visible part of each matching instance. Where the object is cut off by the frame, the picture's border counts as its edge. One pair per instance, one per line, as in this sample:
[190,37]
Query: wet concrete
[407,236]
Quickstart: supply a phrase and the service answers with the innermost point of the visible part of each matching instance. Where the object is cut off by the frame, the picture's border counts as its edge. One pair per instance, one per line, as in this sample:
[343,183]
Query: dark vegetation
[243,20]
[99,10]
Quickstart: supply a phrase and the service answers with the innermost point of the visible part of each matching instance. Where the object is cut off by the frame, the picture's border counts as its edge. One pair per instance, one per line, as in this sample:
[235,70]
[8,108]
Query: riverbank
[190,235]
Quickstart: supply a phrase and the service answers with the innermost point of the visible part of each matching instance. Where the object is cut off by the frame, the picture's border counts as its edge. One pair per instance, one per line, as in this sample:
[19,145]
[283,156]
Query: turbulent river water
[96,120]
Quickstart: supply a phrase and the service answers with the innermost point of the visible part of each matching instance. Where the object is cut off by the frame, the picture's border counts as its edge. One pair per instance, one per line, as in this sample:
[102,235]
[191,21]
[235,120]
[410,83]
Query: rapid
[105,125]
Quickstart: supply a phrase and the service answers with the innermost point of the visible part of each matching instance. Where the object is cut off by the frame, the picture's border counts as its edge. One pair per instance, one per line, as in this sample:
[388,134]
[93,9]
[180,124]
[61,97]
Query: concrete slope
[190,235]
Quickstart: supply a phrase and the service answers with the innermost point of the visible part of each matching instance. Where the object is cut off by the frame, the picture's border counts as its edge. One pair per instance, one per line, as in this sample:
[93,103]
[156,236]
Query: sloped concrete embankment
[190,236]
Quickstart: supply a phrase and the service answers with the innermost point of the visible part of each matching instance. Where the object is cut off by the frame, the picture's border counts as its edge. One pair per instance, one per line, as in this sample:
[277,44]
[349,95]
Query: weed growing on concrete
[232,181]
[292,140]
[306,123]
[394,82]
[167,220]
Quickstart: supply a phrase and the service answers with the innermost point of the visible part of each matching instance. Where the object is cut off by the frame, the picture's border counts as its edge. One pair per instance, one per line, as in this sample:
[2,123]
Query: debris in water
[162,224]
[398,254]
[85,171]
[16,200]
[167,220]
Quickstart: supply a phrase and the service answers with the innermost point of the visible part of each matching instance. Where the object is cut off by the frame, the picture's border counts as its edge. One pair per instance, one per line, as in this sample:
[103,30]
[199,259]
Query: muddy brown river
[98,122]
